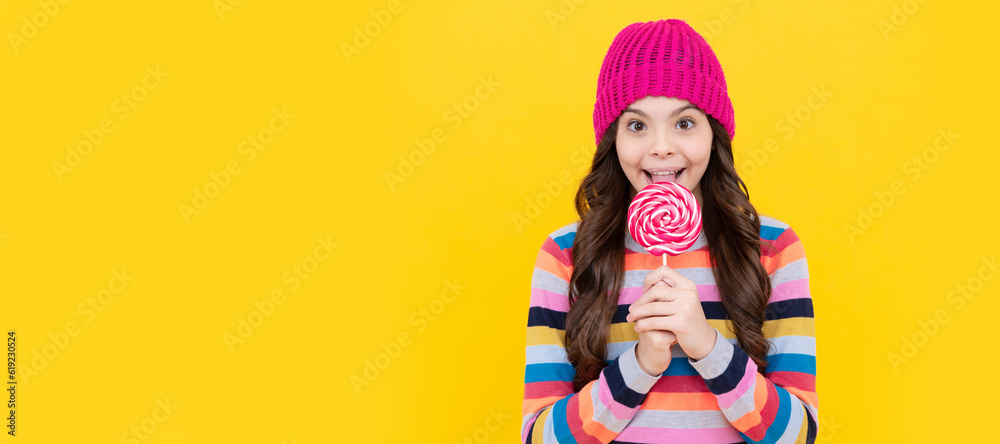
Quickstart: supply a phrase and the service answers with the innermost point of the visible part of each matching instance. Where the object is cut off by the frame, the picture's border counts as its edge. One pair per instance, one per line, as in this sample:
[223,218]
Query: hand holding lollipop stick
[664,218]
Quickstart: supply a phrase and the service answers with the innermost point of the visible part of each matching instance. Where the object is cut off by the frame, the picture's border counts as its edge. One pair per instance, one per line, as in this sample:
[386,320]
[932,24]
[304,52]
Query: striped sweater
[719,399]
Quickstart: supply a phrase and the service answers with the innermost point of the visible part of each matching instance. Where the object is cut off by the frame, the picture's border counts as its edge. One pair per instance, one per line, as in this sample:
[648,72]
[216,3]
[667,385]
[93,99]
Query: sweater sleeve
[780,406]
[552,412]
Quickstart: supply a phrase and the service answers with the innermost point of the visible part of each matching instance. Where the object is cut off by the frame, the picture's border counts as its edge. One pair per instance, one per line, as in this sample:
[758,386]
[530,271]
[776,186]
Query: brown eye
[685,124]
[635,126]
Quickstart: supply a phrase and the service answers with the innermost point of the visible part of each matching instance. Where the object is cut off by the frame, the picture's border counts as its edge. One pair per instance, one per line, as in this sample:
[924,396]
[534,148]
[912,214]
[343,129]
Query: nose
[662,146]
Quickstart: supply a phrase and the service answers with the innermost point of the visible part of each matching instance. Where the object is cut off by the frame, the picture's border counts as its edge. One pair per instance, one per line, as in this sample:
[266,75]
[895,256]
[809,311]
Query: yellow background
[454,217]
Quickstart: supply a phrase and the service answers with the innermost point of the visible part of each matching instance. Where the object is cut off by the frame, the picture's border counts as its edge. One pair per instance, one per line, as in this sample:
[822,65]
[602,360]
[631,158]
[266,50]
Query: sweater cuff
[718,359]
[634,377]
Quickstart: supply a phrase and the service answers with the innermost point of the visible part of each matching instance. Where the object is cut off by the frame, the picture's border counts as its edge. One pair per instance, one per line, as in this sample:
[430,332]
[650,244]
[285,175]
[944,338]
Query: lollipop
[664,218]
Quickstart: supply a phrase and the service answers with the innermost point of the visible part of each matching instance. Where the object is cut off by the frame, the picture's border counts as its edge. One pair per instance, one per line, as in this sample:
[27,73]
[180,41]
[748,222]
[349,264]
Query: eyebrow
[672,114]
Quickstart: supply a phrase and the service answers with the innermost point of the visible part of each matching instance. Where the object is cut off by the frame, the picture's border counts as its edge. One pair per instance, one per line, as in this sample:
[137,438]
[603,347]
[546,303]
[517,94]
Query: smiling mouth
[660,176]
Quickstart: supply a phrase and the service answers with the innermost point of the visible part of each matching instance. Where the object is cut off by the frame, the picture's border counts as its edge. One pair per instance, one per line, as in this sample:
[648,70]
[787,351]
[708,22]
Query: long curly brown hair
[732,230]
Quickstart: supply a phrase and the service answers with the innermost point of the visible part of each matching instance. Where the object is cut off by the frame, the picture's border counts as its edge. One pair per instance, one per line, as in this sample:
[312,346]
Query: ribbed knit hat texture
[661,58]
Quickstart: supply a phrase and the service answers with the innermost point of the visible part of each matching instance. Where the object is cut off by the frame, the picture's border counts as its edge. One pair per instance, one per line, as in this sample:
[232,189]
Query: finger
[655,323]
[649,294]
[665,334]
[656,308]
[652,278]
[658,292]
[661,339]
[669,276]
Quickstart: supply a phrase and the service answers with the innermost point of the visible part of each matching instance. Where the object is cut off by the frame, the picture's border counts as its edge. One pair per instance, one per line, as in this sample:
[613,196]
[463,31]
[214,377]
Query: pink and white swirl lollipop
[664,218]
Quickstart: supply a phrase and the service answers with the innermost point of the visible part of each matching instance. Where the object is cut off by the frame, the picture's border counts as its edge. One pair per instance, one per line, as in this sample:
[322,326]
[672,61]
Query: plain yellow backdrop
[327,214]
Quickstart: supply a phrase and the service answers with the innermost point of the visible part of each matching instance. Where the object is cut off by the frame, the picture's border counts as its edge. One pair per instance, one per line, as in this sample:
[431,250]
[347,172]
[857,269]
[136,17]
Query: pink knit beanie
[661,58]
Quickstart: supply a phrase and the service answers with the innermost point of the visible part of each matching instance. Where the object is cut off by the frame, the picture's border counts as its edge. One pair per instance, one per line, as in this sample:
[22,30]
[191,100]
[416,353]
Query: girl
[718,346]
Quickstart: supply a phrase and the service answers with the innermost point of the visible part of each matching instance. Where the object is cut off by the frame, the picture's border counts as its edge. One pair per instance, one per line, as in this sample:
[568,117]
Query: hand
[670,302]
[654,350]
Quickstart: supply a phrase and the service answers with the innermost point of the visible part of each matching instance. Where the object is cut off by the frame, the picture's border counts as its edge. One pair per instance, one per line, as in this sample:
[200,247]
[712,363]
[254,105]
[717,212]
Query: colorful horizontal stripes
[719,399]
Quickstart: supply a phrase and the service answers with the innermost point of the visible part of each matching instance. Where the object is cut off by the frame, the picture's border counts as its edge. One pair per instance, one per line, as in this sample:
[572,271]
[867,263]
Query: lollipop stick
[664,259]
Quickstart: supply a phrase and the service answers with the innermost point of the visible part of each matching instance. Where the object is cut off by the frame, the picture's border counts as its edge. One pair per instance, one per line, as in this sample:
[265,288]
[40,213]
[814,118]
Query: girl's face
[664,139]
